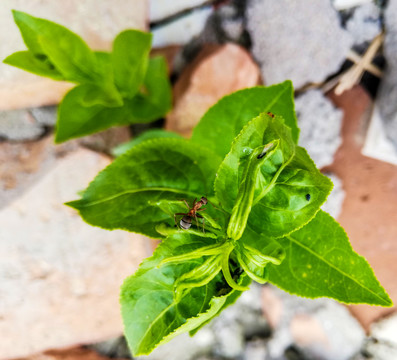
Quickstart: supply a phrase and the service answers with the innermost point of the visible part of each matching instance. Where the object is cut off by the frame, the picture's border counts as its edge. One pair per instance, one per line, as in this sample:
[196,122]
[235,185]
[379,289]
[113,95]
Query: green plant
[117,88]
[263,221]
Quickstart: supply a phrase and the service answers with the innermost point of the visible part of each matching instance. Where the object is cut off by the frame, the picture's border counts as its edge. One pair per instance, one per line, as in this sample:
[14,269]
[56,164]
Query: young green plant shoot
[260,220]
[114,88]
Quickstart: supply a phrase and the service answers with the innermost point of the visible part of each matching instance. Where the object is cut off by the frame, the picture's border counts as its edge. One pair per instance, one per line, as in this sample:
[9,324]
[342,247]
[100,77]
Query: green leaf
[130,60]
[255,251]
[292,199]
[76,119]
[147,135]
[223,121]
[155,99]
[27,61]
[151,311]
[65,50]
[124,195]
[321,262]
[284,194]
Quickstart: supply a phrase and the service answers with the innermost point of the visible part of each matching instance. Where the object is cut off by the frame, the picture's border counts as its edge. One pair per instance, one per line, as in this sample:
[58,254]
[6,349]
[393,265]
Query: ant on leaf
[186,221]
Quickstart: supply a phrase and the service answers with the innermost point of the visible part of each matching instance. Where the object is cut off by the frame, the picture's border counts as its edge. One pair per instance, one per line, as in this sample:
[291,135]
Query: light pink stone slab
[60,277]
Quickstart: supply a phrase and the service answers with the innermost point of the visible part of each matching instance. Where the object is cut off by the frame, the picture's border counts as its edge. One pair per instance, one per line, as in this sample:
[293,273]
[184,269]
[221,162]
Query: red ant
[186,221]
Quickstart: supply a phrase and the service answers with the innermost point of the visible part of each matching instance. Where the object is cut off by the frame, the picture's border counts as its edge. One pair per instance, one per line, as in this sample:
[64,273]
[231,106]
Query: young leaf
[27,61]
[246,188]
[147,135]
[66,51]
[76,118]
[255,251]
[321,262]
[223,121]
[123,196]
[288,189]
[152,313]
[130,59]
[155,99]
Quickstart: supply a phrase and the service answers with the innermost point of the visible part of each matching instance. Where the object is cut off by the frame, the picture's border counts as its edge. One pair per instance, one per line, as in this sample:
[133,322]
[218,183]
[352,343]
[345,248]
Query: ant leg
[202,209]
[201,217]
[216,207]
[186,203]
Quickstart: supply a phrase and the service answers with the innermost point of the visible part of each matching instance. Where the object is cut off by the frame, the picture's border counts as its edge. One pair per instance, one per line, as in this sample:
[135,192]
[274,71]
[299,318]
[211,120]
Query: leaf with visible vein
[66,51]
[147,135]
[280,201]
[151,312]
[76,119]
[224,121]
[27,61]
[123,196]
[321,262]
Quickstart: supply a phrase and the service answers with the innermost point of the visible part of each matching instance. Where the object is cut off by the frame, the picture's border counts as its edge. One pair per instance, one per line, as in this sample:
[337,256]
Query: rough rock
[45,115]
[184,347]
[382,341]
[97,23]
[370,202]
[243,320]
[19,125]
[255,350]
[320,123]
[334,203]
[225,24]
[60,277]
[182,30]
[307,48]
[207,80]
[386,330]
[161,9]
[229,339]
[319,328]
[365,23]
[347,4]
[387,94]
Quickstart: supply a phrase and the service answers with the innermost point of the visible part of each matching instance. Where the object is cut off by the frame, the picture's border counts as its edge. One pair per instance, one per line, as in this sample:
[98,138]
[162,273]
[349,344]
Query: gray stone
[365,23]
[19,125]
[320,123]
[255,350]
[319,328]
[382,343]
[334,203]
[113,348]
[226,24]
[386,330]
[161,9]
[229,339]
[184,347]
[347,4]
[46,115]
[378,350]
[387,94]
[247,313]
[182,30]
[292,40]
